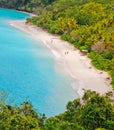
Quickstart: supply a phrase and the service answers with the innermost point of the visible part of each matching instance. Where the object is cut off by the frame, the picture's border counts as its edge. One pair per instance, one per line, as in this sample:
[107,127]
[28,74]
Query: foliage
[92,112]
[25,5]
[87,24]
[18,118]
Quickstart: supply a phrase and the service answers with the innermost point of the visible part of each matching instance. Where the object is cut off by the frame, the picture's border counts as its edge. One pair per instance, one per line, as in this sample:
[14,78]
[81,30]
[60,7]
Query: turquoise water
[28,71]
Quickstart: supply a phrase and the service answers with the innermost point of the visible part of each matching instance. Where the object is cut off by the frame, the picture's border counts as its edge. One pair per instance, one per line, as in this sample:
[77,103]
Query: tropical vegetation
[91,112]
[86,24]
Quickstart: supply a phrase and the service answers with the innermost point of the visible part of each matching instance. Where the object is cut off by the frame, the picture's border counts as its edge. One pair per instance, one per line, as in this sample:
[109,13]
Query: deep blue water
[28,71]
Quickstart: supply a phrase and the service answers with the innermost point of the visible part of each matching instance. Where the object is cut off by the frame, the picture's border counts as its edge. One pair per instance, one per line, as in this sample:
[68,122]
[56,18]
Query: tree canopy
[91,112]
[87,24]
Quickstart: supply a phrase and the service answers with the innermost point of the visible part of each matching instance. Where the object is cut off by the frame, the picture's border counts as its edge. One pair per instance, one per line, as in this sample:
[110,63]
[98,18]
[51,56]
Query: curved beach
[77,65]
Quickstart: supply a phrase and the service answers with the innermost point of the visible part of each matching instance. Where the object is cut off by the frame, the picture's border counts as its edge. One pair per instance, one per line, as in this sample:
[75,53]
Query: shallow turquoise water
[28,71]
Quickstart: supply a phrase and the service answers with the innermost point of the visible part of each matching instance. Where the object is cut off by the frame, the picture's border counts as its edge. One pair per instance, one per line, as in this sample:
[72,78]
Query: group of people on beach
[66,52]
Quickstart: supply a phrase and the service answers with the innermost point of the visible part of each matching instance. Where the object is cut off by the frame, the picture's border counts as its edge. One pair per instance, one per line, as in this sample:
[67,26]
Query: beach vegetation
[91,112]
[86,24]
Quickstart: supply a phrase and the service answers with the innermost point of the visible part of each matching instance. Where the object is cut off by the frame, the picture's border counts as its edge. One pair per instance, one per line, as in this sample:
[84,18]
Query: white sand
[74,63]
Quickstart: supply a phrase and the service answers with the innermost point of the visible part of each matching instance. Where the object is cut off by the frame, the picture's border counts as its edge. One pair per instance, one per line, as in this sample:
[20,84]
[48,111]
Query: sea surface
[29,71]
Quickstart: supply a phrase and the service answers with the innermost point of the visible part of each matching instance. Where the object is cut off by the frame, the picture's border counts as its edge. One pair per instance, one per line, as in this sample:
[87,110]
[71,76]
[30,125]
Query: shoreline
[77,66]
[22,11]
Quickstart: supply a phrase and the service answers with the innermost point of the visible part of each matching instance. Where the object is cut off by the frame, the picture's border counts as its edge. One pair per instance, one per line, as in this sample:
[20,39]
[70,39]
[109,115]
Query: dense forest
[33,6]
[92,112]
[86,24]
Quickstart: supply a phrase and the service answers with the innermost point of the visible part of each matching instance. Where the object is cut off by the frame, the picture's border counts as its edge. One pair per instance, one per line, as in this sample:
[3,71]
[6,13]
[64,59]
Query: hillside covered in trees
[33,6]
[87,24]
[92,112]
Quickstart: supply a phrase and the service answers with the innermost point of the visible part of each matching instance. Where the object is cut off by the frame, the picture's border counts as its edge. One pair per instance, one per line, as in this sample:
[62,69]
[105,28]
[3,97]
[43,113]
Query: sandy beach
[73,62]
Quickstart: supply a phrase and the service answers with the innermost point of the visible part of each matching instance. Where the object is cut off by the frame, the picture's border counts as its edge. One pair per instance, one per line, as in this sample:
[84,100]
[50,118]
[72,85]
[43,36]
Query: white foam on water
[55,53]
